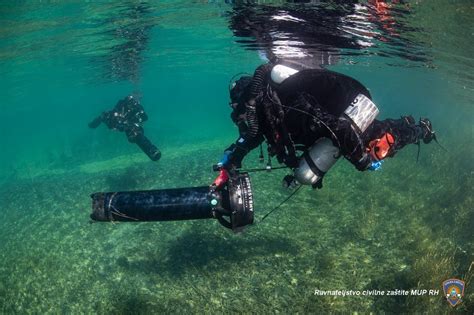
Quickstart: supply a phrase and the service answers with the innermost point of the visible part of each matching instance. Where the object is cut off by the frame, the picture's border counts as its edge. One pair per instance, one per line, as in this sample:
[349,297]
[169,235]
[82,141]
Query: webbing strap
[312,166]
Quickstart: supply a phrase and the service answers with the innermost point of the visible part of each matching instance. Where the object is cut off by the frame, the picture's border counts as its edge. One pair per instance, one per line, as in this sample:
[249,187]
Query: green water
[407,227]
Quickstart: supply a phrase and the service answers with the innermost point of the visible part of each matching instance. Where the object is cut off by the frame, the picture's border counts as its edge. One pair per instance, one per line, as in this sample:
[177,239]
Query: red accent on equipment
[222,178]
[379,149]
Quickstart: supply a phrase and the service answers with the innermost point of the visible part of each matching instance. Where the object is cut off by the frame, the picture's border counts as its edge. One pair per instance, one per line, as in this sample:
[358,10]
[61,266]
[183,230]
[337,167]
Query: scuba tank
[322,155]
[316,161]
[280,72]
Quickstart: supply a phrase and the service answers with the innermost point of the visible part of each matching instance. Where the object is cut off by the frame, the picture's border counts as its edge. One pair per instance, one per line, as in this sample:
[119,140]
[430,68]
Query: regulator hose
[256,88]
[252,119]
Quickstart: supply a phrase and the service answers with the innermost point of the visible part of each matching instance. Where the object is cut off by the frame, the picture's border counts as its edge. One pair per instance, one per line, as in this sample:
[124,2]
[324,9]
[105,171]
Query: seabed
[361,232]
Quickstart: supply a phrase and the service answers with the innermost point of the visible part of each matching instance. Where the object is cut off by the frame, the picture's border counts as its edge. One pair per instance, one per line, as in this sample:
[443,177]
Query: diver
[309,118]
[128,116]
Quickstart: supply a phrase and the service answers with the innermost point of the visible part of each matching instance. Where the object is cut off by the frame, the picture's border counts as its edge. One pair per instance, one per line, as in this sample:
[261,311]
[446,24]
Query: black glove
[427,130]
[289,182]
[318,184]
[226,162]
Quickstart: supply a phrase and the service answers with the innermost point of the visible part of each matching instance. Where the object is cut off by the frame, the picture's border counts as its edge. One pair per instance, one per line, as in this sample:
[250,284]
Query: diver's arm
[102,118]
[352,145]
[251,133]
[96,122]
[235,153]
[233,157]
[404,130]
[362,161]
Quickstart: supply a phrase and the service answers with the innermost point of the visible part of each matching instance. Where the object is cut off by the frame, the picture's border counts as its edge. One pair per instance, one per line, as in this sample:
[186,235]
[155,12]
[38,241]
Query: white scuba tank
[319,158]
[280,73]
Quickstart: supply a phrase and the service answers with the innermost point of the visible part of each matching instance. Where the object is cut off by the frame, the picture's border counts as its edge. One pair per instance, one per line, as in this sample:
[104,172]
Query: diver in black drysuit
[305,107]
[128,116]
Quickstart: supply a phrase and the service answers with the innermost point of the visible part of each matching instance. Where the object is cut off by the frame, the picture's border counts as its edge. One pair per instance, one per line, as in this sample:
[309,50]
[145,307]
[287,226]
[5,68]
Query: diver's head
[131,101]
[382,147]
[239,91]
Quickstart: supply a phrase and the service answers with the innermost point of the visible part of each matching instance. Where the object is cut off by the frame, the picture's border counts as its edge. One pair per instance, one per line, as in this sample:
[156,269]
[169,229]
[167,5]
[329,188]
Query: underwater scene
[371,242]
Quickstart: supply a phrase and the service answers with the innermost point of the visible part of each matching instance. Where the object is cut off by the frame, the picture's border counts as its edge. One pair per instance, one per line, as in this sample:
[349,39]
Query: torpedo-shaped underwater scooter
[232,204]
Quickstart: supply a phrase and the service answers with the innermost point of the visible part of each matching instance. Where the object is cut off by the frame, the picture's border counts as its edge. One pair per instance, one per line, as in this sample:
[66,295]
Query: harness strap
[286,143]
[312,166]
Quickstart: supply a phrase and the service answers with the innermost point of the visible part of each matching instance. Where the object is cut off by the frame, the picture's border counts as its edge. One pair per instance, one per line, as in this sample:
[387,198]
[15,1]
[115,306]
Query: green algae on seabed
[335,238]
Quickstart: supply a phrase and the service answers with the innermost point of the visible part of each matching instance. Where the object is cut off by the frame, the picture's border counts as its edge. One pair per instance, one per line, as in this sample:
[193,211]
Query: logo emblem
[453,291]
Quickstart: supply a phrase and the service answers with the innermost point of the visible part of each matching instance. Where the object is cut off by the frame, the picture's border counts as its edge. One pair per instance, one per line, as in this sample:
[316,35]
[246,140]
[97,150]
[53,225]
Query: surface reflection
[315,34]
[128,26]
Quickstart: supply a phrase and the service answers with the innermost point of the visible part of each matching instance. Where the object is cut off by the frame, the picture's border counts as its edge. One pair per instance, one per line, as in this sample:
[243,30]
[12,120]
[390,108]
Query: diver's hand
[289,182]
[227,163]
[225,160]
[221,179]
[225,168]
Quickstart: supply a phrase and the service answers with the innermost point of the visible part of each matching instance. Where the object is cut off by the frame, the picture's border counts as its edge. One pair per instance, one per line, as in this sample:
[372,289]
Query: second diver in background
[128,116]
